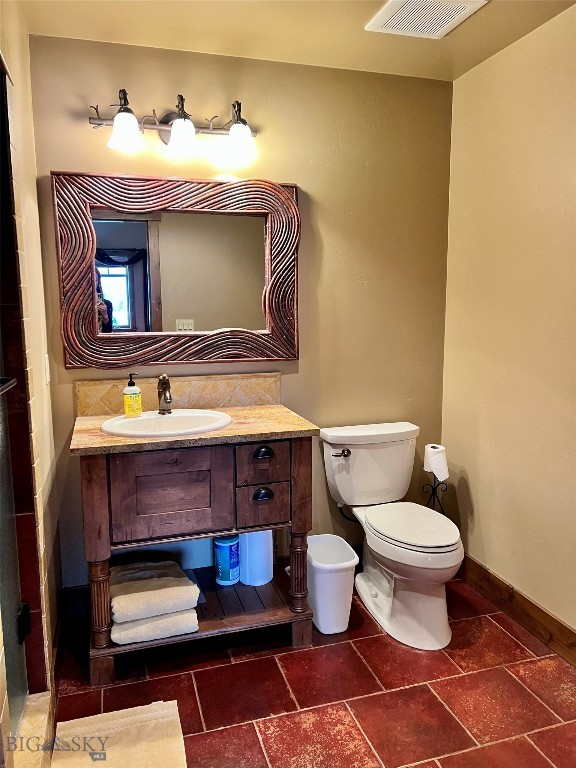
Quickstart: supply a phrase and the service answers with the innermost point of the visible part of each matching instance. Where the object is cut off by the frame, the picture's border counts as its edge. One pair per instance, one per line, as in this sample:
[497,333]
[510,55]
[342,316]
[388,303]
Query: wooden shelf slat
[249,597]
[269,596]
[230,602]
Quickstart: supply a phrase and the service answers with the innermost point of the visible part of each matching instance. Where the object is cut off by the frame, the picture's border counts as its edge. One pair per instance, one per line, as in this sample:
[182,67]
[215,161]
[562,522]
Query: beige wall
[370,154]
[212,270]
[509,418]
[15,51]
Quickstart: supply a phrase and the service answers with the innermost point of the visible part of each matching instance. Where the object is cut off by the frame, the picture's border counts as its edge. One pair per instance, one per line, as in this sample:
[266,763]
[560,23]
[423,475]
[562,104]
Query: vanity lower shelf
[228,609]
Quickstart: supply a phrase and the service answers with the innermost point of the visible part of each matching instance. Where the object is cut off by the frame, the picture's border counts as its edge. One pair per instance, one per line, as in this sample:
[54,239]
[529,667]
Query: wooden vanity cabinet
[147,497]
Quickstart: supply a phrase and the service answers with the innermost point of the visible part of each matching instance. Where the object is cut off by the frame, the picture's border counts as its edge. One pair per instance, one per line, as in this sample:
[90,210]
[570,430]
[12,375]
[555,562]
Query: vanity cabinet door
[266,462]
[158,494]
[262,504]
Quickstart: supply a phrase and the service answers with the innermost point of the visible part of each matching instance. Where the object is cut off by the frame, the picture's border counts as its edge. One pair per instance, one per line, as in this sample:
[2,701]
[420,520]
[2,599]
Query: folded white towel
[142,590]
[155,627]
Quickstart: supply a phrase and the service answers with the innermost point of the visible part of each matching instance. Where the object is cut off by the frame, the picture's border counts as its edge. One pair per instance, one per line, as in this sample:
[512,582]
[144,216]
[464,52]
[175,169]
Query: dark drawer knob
[263,494]
[263,452]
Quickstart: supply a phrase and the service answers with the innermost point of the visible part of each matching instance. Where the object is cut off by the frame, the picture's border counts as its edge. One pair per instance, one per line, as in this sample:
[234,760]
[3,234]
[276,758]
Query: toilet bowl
[410,551]
[402,584]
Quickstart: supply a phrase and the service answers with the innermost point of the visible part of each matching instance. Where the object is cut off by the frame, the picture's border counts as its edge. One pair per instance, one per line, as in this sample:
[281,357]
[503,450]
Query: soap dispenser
[132,398]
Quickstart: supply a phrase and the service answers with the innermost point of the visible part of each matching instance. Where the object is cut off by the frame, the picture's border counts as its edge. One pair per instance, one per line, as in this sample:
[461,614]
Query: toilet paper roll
[256,558]
[435,461]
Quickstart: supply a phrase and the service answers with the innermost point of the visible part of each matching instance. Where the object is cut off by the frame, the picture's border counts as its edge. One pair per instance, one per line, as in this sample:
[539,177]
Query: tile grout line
[301,710]
[540,751]
[368,666]
[352,715]
[447,708]
[475,749]
[262,747]
[433,760]
[199,704]
[453,662]
[533,655]
[554,725]
[479,616]
[481,669]
[290,691]
[300,650]
[328,704]
[535,696]
[173,674]
[120,683]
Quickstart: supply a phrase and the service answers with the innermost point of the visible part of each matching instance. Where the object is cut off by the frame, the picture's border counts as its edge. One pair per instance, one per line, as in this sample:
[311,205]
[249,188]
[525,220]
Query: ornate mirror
[175,271]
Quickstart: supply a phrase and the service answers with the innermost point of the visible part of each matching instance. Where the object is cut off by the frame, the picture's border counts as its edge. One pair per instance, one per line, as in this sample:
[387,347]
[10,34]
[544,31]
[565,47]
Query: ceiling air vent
[422,18]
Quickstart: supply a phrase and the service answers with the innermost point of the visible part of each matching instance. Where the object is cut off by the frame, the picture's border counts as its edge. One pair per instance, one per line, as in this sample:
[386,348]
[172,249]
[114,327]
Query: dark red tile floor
[495,698]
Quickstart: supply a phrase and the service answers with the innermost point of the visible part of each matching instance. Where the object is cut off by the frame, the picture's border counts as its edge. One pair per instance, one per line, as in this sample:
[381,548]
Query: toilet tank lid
[369,433]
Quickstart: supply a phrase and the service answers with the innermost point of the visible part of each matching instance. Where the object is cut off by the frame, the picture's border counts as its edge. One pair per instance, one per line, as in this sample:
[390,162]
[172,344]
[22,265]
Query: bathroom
[435,273]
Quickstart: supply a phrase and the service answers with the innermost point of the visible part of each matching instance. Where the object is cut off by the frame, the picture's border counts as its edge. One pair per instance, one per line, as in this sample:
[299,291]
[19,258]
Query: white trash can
[331,563]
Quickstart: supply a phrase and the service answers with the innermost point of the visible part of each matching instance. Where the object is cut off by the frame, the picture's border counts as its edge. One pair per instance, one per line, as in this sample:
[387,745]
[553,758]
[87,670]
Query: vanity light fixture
[239,130]
[176,129]
[241,149]
[126,135]
[182,141]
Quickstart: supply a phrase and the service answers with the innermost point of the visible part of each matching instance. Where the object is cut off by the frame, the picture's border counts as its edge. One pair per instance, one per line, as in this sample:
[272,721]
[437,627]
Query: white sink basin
[182,421]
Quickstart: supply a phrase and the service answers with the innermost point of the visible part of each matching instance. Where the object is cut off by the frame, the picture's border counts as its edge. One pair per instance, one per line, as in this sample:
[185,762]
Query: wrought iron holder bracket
[433,488]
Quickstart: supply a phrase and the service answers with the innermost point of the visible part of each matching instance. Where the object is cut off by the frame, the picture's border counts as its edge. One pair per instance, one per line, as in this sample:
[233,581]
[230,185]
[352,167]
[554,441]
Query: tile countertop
[257,422]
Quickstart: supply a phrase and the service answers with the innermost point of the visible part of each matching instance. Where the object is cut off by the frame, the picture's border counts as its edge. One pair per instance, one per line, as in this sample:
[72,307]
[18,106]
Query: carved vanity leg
[101,667]
[298,572]
[95,505]
[301,524]
[99,577]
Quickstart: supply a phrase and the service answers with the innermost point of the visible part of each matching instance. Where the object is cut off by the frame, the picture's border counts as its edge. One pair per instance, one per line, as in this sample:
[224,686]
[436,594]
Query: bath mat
[140,737]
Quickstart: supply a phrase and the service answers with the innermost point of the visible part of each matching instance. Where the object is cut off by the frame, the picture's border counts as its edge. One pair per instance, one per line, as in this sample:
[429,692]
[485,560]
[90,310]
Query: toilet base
[412,612]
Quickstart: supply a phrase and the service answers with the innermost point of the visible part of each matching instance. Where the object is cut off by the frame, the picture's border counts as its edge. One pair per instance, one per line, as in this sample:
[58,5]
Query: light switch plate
[184,325]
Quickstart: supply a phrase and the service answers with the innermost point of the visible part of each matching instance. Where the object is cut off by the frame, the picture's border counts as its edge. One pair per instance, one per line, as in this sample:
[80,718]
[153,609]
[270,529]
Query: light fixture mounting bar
[162,128]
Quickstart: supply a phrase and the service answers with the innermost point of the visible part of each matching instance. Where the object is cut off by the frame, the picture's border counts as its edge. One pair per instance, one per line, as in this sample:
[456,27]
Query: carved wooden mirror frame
[76,194]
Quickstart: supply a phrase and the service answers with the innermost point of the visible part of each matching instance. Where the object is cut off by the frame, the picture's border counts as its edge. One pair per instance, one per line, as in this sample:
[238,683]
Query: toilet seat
[412,526]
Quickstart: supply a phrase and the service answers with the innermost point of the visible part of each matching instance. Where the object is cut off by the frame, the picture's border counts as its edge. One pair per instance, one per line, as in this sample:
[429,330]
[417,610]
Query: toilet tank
[379,467]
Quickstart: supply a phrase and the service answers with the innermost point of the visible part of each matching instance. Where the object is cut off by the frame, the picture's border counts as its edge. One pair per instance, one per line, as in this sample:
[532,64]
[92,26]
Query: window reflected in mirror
[179,272]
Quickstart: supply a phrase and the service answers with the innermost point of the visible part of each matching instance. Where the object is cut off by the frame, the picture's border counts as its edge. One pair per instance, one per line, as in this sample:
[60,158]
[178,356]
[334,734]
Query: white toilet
[410,551]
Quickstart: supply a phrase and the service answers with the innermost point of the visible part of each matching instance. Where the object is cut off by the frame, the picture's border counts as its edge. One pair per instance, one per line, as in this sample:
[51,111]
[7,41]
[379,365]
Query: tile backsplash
[104,398]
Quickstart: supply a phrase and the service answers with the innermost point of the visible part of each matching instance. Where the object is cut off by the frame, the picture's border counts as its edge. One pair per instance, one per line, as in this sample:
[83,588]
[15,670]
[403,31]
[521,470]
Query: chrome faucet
[164,395]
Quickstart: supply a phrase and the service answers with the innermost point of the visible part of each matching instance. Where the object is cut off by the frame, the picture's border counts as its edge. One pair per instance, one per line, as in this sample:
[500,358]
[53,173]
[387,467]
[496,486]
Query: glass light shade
[182,142]
[241,147]
[240,133]
[126,136]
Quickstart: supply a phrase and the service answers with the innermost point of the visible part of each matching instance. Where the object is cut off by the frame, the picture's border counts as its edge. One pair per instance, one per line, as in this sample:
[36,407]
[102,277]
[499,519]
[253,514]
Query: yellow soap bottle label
[133,404]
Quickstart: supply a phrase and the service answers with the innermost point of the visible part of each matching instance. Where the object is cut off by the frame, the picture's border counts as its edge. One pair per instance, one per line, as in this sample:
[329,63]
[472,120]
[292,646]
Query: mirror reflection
[179,272]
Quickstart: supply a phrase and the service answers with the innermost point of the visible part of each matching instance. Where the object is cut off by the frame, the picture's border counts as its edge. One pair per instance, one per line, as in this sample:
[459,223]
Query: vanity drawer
[262,504]
[267,462]
[171,493]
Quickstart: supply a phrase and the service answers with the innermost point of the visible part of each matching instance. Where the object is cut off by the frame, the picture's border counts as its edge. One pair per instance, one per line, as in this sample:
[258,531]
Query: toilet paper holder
[433,487]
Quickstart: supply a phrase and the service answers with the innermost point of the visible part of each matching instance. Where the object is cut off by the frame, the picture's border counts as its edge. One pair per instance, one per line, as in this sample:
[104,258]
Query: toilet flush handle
[344,453]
